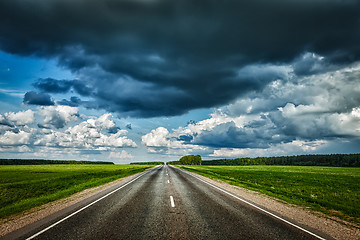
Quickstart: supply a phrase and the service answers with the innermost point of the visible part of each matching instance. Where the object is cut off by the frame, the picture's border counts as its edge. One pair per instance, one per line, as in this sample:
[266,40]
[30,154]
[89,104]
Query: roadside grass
[332,190]
[25,186]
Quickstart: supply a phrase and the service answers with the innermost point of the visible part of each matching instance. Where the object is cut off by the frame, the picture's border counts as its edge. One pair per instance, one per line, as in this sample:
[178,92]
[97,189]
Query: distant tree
[190,160]
[173,163]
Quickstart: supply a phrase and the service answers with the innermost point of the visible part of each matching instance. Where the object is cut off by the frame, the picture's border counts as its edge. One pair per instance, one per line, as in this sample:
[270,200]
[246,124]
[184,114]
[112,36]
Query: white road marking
[253,205]
[81,209]
[172,201]
[168,181]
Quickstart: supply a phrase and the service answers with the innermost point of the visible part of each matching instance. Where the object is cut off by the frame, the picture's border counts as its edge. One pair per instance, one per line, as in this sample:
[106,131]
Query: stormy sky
[136,80]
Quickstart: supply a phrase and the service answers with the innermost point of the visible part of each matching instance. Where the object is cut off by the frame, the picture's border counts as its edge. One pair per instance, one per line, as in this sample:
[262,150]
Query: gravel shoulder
[17,221]
[334,227]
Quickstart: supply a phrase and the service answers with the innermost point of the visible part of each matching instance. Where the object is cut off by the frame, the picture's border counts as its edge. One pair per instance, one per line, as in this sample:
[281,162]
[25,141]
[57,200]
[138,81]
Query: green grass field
[25,186]
[334,191]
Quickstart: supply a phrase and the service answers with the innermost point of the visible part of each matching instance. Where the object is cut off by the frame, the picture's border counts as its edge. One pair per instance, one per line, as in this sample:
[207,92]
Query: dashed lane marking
[172,201]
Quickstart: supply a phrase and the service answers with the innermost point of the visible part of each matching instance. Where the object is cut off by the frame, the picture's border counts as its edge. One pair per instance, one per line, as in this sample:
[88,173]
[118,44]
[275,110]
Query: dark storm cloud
[62,86]
[314,126]
[73,102]
[255,135]
[34,98]
[52,86]
[176,55]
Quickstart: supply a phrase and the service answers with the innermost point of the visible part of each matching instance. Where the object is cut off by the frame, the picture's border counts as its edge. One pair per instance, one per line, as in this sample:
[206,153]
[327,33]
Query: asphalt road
[164,203]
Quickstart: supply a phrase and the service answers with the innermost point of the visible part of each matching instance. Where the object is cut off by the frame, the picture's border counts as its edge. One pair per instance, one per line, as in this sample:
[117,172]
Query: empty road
[163,203]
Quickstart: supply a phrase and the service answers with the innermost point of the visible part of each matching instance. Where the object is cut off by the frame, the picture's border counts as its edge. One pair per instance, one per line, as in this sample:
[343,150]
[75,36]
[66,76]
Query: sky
[154,80]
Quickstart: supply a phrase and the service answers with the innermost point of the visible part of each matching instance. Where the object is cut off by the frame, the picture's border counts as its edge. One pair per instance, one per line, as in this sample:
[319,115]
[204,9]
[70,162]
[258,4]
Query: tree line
[188,160]
[147,163]
[333,160]
[43,162]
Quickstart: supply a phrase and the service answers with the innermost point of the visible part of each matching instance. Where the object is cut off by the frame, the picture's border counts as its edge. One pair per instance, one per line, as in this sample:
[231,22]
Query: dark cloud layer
[34,98]
[154,58]
[255,135]
[51,85]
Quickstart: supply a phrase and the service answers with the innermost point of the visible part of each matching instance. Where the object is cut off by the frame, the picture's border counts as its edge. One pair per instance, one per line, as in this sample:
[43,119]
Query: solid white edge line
[257,207]
[83,208]
[172,201]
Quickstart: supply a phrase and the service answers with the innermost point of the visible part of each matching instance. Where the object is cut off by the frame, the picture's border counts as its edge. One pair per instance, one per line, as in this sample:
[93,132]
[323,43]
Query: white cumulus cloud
[21,118]
[89,134]
[59,116]
[15,138]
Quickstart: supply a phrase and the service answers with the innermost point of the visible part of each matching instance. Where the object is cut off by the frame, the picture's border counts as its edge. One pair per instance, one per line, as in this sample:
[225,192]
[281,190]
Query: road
[163,203]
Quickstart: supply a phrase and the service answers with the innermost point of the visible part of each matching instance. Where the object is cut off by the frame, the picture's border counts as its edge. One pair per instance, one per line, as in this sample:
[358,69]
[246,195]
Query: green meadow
[25,186]
[332,190]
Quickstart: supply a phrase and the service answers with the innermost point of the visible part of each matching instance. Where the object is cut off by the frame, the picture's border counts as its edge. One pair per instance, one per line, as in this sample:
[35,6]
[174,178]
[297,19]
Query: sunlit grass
[335,191]
[25,186]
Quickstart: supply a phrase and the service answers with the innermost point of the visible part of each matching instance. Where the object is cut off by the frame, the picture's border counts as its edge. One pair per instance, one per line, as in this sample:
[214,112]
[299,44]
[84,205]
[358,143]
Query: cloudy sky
[146,80]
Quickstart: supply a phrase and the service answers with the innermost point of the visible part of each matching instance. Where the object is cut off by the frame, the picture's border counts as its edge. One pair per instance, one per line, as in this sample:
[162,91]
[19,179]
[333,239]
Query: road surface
[164,203]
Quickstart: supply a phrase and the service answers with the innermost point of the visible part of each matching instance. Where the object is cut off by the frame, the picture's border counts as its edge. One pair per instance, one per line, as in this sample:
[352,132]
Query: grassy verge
[334,191]
[25,186]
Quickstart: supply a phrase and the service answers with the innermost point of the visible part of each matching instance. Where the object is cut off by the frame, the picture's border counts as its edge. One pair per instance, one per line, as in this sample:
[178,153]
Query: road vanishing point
[165,203]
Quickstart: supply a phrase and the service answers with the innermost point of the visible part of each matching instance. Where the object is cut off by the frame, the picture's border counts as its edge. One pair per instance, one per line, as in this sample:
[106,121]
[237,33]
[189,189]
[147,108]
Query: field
[332,190]
[25,186]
